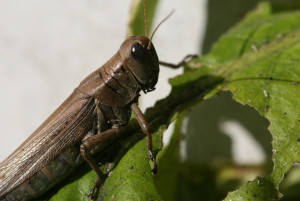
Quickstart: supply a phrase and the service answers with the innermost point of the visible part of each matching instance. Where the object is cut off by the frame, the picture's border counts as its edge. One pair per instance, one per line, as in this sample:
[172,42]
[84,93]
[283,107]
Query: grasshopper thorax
[141,60]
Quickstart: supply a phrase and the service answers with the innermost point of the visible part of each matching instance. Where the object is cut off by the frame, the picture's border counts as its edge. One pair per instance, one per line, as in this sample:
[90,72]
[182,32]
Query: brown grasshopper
[105,100]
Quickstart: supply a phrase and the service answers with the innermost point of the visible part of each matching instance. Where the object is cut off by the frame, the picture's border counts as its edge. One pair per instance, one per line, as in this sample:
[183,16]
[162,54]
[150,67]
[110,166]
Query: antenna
[145,15]
[149,45]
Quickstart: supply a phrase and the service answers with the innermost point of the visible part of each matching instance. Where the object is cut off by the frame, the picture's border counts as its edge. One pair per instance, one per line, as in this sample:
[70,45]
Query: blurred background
[48,47]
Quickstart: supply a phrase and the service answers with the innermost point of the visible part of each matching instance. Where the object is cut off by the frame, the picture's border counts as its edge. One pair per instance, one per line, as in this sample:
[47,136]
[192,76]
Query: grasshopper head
[141,59]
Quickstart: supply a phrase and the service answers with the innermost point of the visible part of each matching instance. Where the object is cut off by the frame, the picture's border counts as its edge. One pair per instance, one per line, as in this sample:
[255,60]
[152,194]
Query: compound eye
[138,52]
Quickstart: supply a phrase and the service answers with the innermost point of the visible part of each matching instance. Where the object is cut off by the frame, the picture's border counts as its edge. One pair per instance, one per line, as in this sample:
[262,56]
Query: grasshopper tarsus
[155,167]
[153,159]
[92,195]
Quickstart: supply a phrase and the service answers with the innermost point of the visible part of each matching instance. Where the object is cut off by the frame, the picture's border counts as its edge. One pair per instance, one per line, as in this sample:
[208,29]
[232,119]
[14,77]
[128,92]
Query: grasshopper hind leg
[85,150]
[87,156]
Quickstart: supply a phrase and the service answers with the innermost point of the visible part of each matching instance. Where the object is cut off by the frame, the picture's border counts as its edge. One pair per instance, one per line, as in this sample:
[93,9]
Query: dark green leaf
[259,190]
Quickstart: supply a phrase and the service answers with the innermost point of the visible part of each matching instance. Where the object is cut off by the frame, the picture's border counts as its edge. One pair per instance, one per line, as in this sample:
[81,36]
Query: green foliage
[258,62]
[259,189]
[131,178]
[267,76]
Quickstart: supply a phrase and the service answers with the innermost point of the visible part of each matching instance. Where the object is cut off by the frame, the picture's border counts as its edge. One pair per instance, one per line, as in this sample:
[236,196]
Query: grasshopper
[103,100]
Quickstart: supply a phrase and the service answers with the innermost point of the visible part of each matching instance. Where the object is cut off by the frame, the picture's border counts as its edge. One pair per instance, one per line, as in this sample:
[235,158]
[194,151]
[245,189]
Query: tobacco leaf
[259,189]
[168,177]
[258,61]
[131,178]
[264,73]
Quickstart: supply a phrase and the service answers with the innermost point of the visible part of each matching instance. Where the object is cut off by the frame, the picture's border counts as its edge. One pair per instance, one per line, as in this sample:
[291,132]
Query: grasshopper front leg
[146,129]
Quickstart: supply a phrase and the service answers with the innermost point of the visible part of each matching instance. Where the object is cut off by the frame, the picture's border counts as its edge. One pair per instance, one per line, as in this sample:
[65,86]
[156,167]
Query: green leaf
[258,29]
[262,70]
[167,179]
[76,189]
[131,179]
[274,87]
[267,79]
[259,190]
